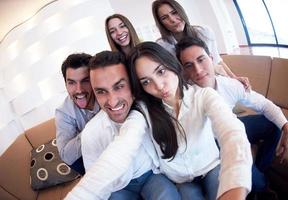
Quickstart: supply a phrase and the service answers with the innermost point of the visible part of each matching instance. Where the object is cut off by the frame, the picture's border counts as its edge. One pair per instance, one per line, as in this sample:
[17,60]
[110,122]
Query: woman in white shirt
[173,24]
[183,121]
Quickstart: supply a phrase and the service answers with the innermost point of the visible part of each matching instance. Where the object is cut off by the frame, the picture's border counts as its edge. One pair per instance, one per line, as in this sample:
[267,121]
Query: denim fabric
[78,166]
[159,187]
[202,187]
[258,128]
[133,190]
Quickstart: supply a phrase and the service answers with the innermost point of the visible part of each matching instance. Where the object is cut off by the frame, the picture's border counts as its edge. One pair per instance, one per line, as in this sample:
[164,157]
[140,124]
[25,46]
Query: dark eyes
[161,71]
[100,92]
[188,65]
[145,83]
[174,12]
[122,26]
[163,17]
[118,87]
[70,82]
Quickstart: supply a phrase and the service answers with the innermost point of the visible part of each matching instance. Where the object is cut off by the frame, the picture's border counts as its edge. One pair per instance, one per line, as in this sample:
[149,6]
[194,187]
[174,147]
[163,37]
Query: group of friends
[153,120]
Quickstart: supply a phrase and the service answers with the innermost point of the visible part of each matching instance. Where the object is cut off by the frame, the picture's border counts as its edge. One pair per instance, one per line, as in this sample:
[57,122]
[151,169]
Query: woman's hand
[245,82]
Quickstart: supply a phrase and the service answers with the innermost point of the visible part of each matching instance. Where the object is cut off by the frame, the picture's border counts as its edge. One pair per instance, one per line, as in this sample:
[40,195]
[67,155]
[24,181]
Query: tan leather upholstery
[256,68]
[278,87]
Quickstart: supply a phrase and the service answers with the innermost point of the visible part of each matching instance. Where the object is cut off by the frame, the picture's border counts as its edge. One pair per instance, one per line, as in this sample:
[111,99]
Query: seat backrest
[278,87]
[41,133]
[256,68]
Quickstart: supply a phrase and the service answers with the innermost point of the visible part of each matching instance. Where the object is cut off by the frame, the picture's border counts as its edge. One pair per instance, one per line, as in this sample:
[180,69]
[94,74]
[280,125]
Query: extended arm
[236,159]
[104,175]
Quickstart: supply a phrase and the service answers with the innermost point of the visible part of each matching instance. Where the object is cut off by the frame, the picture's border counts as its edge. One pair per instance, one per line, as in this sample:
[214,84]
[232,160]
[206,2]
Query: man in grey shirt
[77,109]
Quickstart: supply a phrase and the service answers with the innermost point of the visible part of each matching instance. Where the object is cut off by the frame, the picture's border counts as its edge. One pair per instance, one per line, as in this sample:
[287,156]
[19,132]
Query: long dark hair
[165,33]
[164,125]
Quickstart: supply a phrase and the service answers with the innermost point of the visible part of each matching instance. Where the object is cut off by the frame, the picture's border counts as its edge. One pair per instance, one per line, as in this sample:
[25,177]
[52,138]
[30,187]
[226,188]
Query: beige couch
[267,76]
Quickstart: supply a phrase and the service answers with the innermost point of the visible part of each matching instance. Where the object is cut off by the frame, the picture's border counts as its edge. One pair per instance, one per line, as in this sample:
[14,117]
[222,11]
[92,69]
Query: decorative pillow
[47,168]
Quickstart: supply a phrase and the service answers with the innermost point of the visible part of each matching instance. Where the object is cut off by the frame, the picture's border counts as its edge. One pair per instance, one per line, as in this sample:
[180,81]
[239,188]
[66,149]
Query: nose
[172,18]
[118,32]
[197,68]
[112,100]
[159,84]
[78,87]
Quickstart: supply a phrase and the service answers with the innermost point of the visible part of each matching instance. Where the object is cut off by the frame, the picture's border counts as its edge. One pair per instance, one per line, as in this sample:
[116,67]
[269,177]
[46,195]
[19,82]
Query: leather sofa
[267,75]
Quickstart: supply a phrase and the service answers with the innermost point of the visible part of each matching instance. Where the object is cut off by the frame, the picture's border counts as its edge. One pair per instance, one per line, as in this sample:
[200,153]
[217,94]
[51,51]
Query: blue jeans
[149,186]
[258,127]
[133,189]
[159,187]
[78,166]
[202,187]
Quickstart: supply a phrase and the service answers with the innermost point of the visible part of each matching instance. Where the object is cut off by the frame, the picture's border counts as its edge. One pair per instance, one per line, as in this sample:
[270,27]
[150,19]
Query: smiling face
[157,80]
[79,87]
[198,66]
[119,32]
[170,18]
[112,90]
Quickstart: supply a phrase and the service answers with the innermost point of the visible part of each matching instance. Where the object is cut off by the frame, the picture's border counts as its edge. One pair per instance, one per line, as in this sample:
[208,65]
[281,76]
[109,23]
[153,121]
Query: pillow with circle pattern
[47,169]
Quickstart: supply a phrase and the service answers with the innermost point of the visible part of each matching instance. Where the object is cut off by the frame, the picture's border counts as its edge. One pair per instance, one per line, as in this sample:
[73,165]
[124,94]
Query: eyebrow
[145,77]
[168,13]
[87,77]
[118,82]
[114,27]
[201,56]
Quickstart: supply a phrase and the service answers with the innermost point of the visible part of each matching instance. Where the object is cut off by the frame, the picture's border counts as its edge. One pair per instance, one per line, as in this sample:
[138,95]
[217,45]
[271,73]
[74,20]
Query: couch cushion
[41,133]
[47,168]
[15,169]
[278,91]
[256,68]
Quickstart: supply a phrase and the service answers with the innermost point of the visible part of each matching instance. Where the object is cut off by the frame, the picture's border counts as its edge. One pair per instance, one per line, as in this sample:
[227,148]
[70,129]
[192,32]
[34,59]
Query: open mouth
[120,107]
[81,100]
[122,38]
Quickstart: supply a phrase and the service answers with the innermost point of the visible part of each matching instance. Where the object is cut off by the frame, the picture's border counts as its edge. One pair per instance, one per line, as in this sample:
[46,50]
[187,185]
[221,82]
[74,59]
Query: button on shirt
[233,92]
[70,120]
[201,113]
